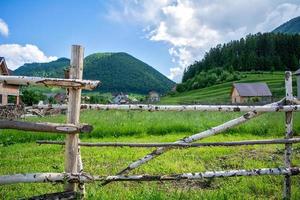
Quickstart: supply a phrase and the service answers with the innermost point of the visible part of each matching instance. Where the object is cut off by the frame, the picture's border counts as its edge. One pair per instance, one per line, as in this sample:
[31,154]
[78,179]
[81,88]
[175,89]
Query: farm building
[8,93]
[120,98]
[250,93]
[153,97]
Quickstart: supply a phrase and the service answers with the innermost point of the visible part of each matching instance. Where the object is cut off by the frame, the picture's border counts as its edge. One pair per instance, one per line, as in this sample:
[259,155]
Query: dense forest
[118,72]
[261,52]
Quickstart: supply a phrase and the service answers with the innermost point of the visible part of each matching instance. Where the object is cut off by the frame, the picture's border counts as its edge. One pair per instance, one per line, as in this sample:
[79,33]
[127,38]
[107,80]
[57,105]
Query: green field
[221,93]
[20,154]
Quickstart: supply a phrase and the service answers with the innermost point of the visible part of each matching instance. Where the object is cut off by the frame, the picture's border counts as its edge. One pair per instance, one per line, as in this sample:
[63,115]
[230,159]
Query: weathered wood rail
[57,82]
[45,127]
[74,176]
[197,108]
[86,178]
[179,145]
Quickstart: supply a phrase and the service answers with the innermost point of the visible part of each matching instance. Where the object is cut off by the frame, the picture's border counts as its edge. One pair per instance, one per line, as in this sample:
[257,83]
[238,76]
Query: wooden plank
[72,151]
[45,127]
[179,145]
[86,178]
[288,134]
[57,82]
[199,108]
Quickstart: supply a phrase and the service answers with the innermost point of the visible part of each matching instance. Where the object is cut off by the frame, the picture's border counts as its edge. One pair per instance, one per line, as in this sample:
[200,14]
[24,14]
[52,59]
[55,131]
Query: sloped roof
[297,72]
[252,89]
[3,67]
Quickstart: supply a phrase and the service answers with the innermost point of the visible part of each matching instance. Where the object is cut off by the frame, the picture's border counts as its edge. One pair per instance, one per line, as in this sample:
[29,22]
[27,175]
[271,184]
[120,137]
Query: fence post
[288,134]
[72,151]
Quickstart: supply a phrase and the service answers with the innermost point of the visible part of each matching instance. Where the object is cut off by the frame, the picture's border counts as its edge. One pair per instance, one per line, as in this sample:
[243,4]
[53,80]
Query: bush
[30,97]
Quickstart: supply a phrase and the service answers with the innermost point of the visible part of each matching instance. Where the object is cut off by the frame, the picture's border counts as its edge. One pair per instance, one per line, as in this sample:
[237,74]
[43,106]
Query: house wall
[9,90]
[235,97]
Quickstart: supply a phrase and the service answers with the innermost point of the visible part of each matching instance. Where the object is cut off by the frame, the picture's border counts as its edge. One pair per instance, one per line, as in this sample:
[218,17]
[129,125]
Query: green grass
[20,154]
[221,93]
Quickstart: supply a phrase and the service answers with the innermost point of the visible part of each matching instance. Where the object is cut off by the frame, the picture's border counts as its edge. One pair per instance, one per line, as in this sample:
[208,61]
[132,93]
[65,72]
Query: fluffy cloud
[3,28]
[16,55]
[192,27]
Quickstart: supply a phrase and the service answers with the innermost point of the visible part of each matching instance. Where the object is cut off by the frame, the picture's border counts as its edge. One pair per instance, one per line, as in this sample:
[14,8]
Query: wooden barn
[9,94]
[250,93]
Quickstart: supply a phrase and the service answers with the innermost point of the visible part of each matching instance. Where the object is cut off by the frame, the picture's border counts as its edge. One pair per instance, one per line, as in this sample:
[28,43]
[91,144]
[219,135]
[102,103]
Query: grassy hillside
[221,93]
[290,27]
[118,72]
[20,154]
[121,72]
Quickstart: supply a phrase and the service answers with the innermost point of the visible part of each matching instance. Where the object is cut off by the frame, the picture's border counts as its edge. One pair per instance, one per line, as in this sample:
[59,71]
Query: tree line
[260,52]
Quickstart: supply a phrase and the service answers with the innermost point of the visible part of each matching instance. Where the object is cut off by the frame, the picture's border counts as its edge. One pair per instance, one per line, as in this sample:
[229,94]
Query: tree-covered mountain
[51,69]
[261,52]
[290,27]
[118,72]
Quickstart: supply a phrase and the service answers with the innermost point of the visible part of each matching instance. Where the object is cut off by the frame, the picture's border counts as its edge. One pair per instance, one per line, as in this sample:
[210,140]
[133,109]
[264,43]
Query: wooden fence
[74,176]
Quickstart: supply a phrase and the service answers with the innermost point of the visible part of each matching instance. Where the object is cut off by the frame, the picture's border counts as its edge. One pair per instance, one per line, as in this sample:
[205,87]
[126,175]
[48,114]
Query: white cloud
[3,28]
[16,55]
[192,27]
[281,14]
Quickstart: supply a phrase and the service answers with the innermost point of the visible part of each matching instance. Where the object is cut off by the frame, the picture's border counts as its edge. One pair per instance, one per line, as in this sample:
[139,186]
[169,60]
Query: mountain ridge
[118,72]
[290,27]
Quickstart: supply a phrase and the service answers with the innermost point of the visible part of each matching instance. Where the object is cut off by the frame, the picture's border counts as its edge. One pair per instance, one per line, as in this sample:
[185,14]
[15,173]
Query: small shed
[153,97]
[297,74]
[250,93]
[8,93]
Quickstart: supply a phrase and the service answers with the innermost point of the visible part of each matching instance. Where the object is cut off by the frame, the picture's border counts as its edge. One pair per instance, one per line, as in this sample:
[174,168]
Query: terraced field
[220,94]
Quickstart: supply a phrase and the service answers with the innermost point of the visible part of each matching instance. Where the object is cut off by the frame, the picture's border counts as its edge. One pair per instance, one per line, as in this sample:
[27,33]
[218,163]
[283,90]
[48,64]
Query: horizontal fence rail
[199,108]
[180,145]
[45,127]
[83,177]
[58,82]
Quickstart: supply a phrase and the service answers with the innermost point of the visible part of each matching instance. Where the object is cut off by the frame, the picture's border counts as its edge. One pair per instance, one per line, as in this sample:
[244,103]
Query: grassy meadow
[220,93]
[20,154]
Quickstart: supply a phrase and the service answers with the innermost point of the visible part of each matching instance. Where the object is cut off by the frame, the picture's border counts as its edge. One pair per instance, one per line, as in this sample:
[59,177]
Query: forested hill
[118,72]
[290,27]
[263,52]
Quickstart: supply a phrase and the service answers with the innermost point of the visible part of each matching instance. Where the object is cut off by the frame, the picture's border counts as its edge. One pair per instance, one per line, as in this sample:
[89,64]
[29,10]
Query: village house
[250,93]
[9,94]
[153,97]
[120,98]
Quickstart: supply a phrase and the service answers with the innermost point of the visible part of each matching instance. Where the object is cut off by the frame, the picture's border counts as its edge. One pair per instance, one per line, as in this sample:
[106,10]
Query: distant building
[153,97]
[297,74]
[9,94]
[250,92]
[120,98]
[60,98]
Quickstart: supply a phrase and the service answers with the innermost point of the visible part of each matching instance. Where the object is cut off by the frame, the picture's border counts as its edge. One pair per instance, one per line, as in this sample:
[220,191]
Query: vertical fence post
[288,134]
[72,151]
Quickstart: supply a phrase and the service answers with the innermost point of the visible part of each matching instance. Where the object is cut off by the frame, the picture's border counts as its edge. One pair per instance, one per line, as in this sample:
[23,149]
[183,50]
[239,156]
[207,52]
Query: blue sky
[167,34]
[53,26]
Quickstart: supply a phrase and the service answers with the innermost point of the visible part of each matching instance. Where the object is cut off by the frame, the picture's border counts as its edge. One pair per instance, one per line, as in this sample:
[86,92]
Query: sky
[169,35]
